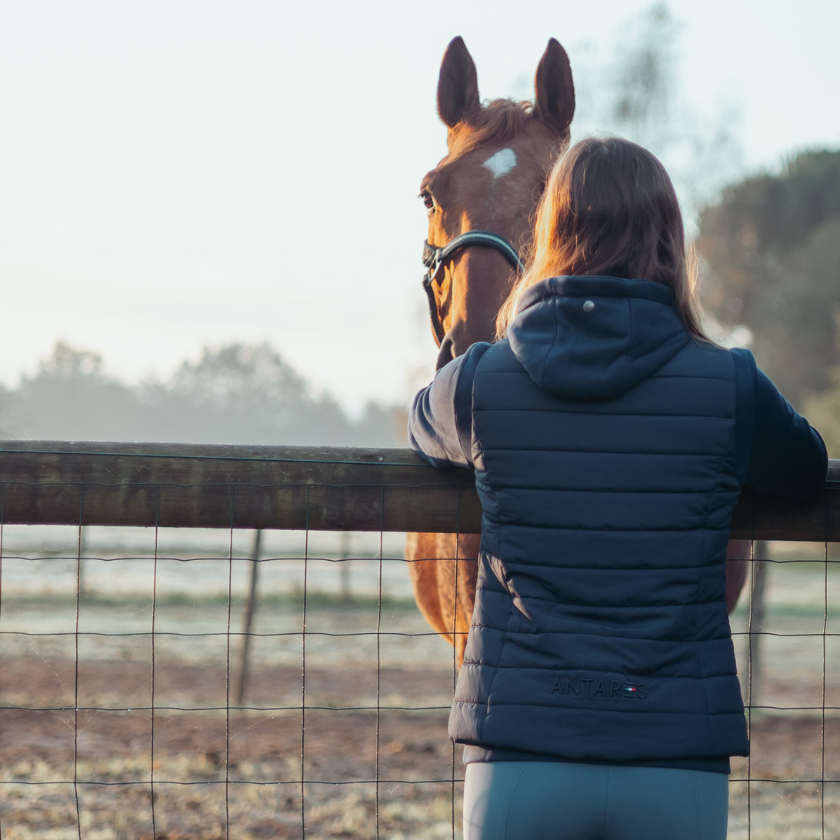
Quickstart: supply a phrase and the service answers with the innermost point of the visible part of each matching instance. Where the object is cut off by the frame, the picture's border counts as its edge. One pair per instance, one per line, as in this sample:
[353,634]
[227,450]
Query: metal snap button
[588,306]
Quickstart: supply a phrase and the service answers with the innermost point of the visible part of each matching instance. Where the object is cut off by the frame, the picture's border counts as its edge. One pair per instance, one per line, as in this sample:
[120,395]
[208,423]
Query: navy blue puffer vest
[606,461]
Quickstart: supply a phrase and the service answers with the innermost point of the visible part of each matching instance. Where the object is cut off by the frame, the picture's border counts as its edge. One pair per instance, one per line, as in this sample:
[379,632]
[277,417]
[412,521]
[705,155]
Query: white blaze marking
[501,163]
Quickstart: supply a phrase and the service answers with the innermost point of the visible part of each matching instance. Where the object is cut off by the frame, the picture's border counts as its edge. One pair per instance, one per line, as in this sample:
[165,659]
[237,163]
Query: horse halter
[435,259]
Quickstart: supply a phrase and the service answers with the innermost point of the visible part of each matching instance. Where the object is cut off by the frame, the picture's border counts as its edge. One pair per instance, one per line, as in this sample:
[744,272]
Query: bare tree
[636,91]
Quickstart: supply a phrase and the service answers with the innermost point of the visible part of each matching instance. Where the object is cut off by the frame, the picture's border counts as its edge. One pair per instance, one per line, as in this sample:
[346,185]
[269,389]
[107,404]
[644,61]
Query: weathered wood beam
[292,488]
[219,486]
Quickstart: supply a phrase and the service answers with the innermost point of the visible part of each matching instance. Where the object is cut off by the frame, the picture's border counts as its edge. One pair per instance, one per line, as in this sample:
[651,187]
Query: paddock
[221,642]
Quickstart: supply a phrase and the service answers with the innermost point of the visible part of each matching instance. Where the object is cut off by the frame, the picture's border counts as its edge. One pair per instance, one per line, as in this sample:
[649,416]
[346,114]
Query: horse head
[498,159]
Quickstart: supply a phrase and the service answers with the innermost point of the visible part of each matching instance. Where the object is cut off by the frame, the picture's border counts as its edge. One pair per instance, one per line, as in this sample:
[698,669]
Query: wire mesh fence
[250,682]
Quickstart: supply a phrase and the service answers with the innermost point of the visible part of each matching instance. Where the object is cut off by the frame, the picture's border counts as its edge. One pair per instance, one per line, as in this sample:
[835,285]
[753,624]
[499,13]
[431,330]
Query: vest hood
[595,337]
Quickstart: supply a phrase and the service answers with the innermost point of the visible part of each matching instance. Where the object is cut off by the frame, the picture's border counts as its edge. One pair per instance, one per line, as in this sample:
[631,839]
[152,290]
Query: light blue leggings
[536,800]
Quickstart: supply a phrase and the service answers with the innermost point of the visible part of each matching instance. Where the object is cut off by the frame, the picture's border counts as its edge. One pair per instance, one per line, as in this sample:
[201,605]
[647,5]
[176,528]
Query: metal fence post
[344,555]
[758,589]
[248,618]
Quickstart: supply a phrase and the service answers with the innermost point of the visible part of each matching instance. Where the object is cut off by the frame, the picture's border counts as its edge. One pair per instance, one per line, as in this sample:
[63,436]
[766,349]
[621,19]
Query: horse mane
[497,122]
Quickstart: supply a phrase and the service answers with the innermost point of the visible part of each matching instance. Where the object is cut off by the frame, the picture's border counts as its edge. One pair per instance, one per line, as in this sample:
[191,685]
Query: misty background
[243,268]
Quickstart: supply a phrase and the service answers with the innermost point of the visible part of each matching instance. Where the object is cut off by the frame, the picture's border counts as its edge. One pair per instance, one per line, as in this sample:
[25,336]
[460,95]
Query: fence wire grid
[168,683]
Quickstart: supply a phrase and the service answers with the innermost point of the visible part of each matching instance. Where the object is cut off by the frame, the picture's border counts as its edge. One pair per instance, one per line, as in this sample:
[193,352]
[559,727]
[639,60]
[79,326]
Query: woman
[610,440]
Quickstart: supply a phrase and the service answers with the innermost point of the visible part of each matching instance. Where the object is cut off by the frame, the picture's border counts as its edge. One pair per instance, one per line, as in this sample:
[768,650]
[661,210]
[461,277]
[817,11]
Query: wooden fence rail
[294,488]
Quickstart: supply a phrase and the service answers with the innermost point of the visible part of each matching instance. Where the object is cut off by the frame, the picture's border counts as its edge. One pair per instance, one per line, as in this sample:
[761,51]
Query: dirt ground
[198,746]
[213,770]
[242,768]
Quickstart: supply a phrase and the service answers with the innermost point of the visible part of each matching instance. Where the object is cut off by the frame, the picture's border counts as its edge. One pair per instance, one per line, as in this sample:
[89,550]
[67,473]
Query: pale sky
[175,173]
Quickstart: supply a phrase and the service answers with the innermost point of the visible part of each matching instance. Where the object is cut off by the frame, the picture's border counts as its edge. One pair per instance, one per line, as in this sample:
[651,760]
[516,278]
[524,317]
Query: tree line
[236,393]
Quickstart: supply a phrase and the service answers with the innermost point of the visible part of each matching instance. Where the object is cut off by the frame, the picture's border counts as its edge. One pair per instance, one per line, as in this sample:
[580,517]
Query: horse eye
[428,200]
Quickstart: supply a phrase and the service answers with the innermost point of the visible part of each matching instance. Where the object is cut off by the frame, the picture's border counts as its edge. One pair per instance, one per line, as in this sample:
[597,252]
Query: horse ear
[457,94]
[555,90]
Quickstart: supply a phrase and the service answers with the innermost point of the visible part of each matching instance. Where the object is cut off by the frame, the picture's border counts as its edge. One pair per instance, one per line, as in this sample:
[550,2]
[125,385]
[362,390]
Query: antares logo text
[598,688]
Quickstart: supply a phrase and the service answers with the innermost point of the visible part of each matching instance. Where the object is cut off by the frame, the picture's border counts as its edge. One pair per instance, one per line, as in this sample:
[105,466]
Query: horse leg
[444,584]
[420,551]
[462,579]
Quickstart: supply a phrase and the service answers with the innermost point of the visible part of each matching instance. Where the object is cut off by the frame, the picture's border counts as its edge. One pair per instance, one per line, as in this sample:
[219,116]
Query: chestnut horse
[499,156]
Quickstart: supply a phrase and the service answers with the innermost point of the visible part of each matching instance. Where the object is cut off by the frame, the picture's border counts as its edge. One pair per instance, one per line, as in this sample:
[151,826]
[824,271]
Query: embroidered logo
[607,689]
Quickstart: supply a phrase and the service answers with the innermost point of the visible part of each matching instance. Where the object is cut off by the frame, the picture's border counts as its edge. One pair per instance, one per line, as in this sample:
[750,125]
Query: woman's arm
[440,419]
[788,458]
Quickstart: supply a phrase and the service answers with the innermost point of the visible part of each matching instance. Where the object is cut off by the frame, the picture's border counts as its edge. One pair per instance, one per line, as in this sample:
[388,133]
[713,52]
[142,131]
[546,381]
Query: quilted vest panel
[600,629]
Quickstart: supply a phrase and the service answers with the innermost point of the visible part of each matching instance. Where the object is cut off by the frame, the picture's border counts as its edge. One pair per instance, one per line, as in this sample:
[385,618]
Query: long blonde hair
[609,209]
